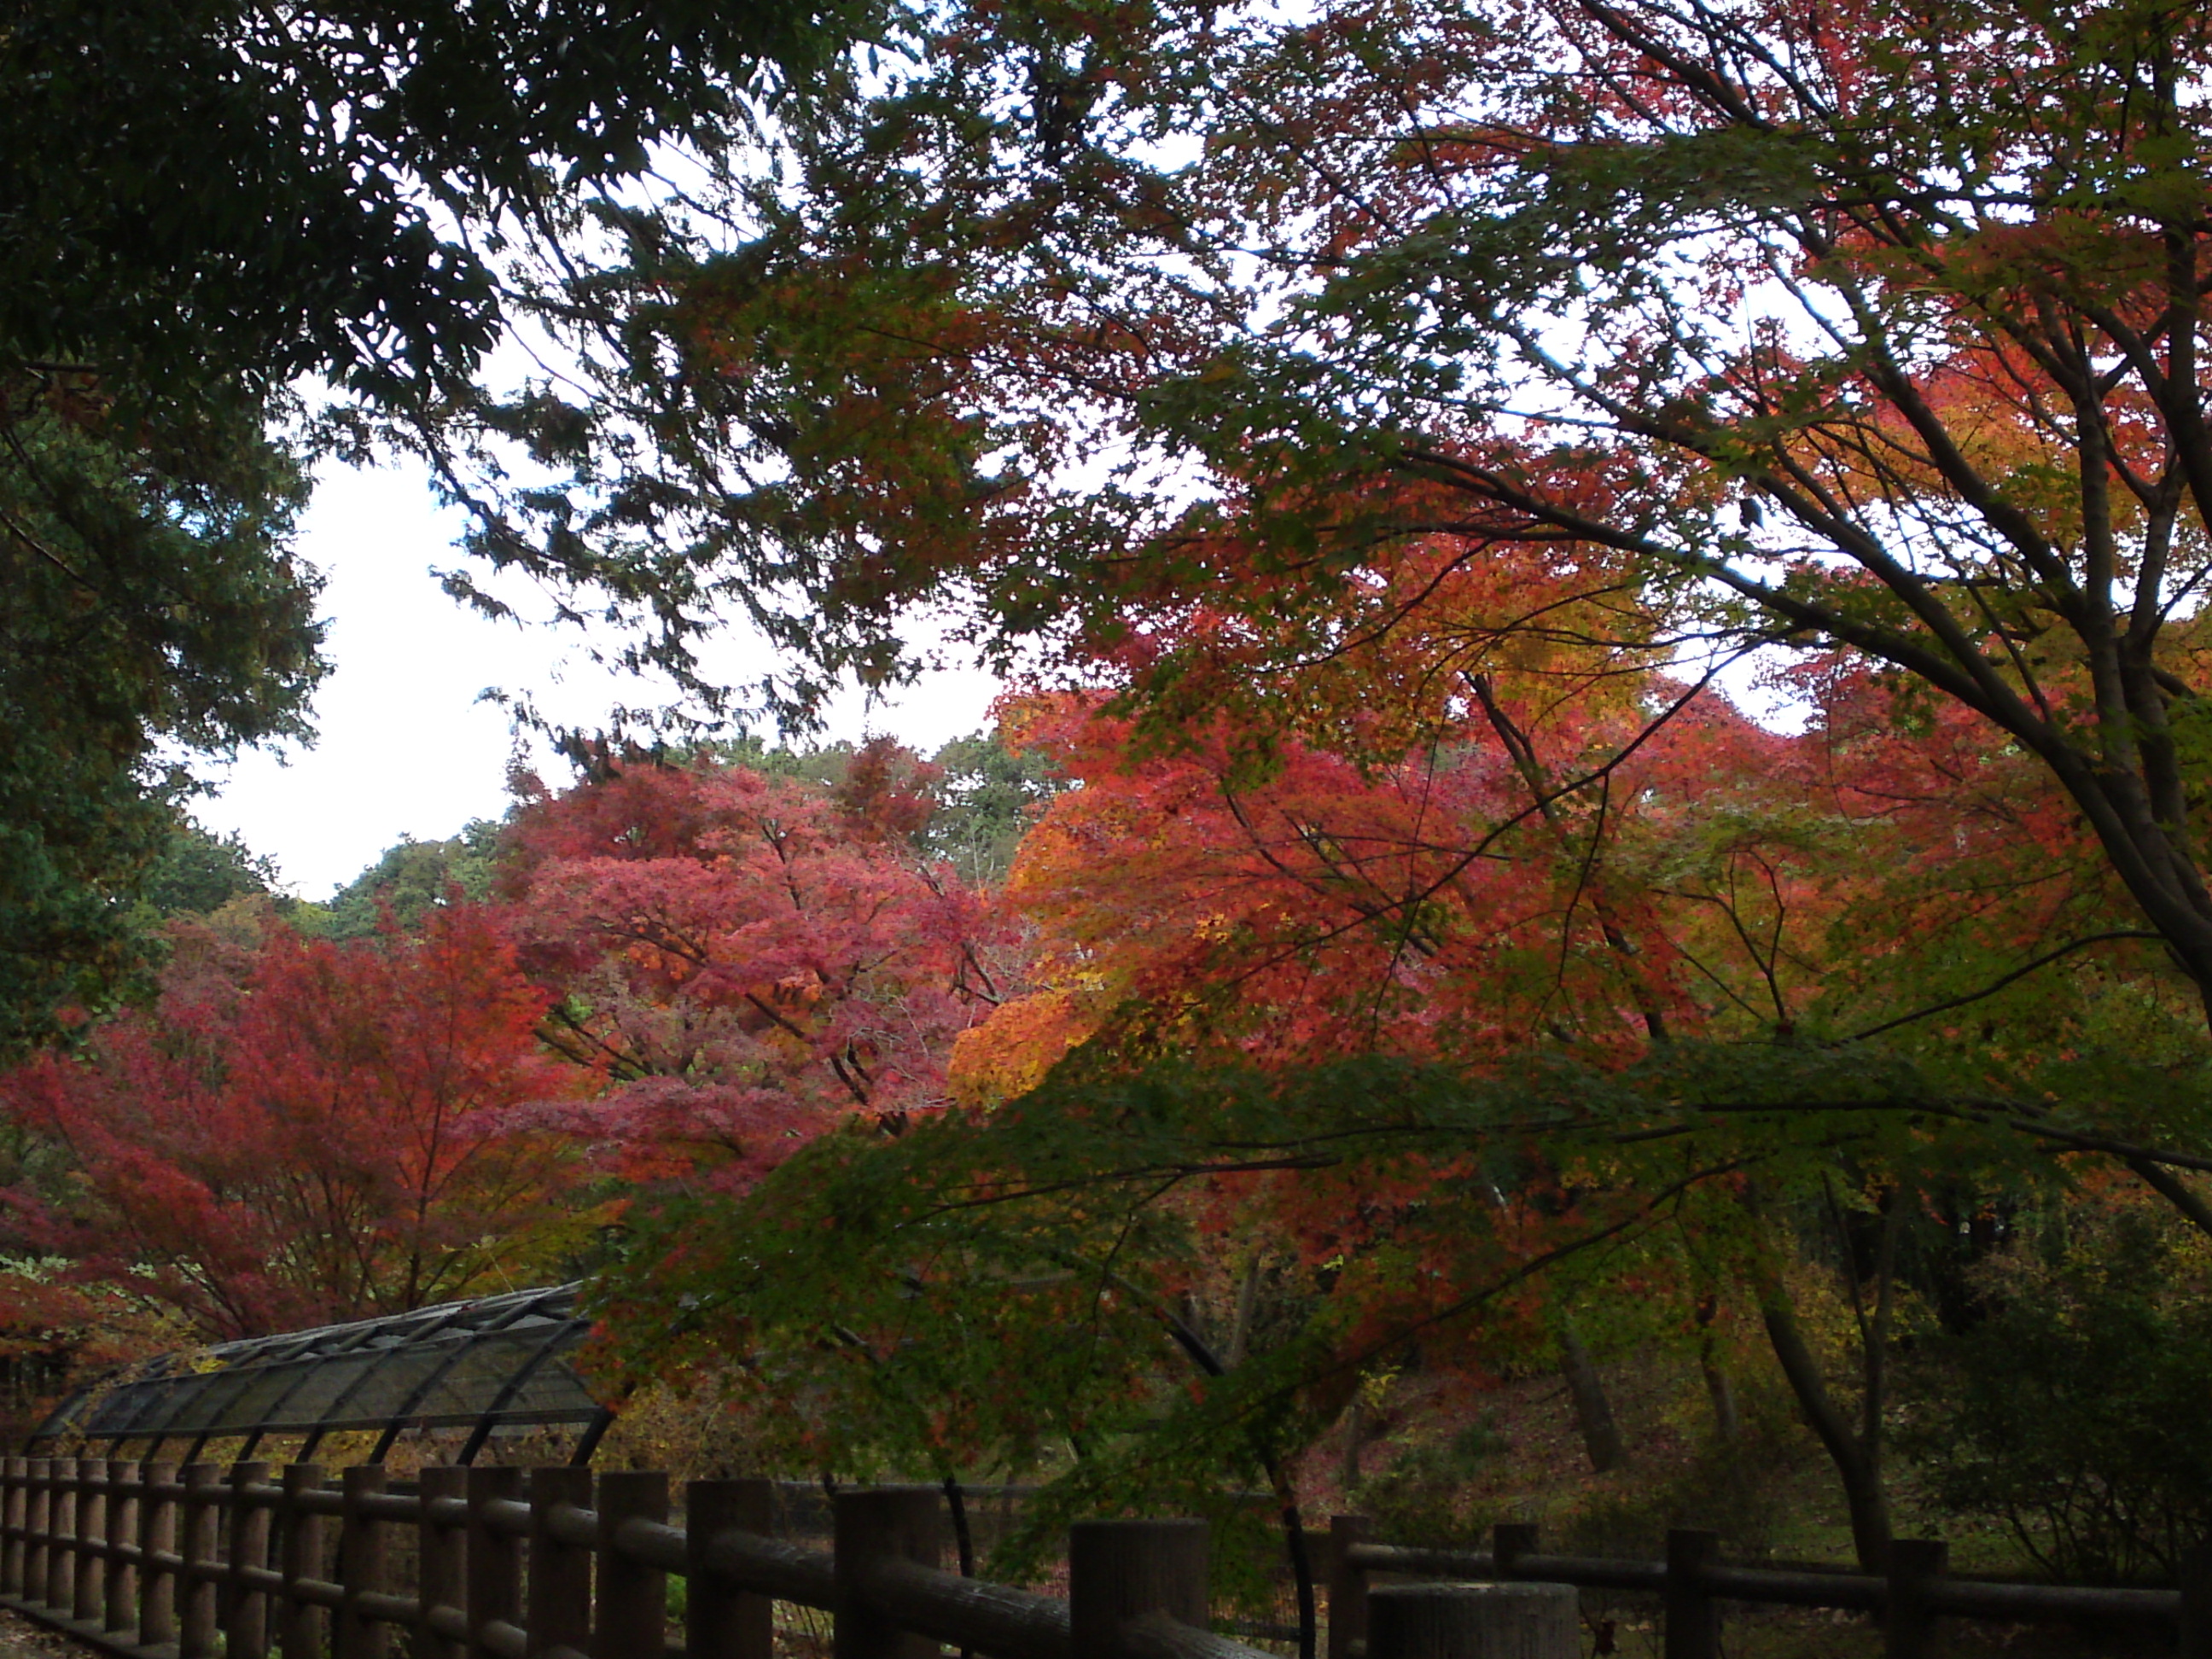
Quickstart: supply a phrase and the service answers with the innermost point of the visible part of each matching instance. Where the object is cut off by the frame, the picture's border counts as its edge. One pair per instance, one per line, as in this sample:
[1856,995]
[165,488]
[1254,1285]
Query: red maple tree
[299,1131]
[752,959]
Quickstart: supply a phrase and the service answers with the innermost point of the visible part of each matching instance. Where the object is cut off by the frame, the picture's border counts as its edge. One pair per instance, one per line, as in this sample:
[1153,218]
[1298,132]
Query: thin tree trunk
[963,1539]
[1592,1412]
[1720,1387]
[1861,1475]
[1248,1302]
[1355,1442]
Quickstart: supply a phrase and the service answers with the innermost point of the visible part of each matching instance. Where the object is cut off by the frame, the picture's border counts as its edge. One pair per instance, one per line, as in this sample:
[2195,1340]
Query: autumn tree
[1835,886]
[1515,357]
[1866,877]
[750,958]
[298,1132]
[1871,331]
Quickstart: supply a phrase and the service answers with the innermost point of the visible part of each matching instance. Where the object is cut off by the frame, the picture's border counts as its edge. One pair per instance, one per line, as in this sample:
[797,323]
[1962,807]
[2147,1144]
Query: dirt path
[22,1639]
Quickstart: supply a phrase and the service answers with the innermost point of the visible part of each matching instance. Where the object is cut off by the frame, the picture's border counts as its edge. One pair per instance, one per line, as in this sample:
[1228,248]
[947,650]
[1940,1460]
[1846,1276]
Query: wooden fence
[152,1561]
[157,1562]
[1692,1585]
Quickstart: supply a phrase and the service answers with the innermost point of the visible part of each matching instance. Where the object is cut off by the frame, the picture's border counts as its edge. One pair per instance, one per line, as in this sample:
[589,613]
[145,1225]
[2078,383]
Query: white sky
[405,746]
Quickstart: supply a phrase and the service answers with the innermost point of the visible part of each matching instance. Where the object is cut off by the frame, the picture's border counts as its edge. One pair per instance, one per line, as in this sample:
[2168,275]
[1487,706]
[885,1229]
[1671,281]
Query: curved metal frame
[588,1442]
[509,1390]
[345,1396]
[196,1393]
[437,1375]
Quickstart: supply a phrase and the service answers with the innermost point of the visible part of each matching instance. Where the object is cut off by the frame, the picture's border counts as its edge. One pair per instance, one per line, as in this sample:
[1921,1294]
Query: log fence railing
[1692,1585]
[152,1561]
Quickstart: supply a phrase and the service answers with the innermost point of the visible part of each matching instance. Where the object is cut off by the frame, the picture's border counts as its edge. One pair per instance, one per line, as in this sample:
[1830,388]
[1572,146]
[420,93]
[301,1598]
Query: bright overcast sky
[406,747]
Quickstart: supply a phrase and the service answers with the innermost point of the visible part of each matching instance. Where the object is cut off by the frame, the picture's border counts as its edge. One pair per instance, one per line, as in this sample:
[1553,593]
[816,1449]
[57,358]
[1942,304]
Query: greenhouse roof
[490,1364]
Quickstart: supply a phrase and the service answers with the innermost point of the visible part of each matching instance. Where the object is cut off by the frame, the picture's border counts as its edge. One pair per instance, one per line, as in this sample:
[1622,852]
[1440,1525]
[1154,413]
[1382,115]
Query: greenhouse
[464,1371]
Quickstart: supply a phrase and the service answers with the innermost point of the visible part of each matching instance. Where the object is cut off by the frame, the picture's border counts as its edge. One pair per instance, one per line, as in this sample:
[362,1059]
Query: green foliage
[154,614]
[987,796]
[982,796]
[406,881]
[823,763]
[183,205]
[198,871]
[1420,1495]
[1012,1290]
[208,204]
[2073,1413]
[1745,1489]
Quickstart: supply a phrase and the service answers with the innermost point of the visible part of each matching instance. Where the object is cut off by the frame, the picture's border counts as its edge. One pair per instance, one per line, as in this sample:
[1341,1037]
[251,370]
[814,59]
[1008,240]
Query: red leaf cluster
[751,959]
[325,1131]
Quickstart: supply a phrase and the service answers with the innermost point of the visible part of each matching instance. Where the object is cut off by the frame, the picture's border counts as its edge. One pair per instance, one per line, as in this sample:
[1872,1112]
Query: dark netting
[495,1362]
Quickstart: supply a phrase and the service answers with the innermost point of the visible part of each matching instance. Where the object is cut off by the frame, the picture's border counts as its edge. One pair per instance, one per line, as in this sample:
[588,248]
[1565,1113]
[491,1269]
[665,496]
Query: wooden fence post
[887,1522]
[560,1570]
[60,1588]
[441,1558]
[38,1527]
[495,1561]
[157,1535]
[245,1610]
[301,1556]
[14,1513]
[121,1613]
[1914,1564]
[2197,1603]
[360,1566]
[1509,1541]
[90,1605]
[633,1599]
[1347,1584]
[1693,1618]
[1118,1571]
[721,1621]
[1519,1621]
[199,1518]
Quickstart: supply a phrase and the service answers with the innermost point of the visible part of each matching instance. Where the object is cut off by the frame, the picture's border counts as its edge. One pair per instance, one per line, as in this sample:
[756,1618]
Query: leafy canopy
[207,207]
[209,192]
[155,615]
[298,1132]
[1874,332]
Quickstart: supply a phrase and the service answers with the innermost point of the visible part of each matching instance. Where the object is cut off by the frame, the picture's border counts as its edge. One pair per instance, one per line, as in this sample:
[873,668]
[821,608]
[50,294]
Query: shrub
[2075,1413]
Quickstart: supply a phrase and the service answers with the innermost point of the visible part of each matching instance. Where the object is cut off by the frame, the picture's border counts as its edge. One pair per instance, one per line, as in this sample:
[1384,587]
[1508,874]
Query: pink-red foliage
[299,1131]
[1597,873]
[753,959]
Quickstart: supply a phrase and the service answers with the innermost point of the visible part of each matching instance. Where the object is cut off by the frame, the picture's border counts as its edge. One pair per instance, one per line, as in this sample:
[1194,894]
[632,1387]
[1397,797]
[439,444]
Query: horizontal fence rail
[149,1560]
[153,1561]
[1692,1584]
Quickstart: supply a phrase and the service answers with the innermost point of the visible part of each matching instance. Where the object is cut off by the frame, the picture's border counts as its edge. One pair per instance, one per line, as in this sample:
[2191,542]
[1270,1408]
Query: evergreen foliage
[154,615]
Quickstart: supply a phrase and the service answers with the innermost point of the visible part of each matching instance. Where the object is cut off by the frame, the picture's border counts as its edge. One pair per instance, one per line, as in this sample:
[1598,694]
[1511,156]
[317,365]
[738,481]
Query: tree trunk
[1720,1388]
[1592,1412]
[1857,1467]
[1355,1442]
[1248,1305]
